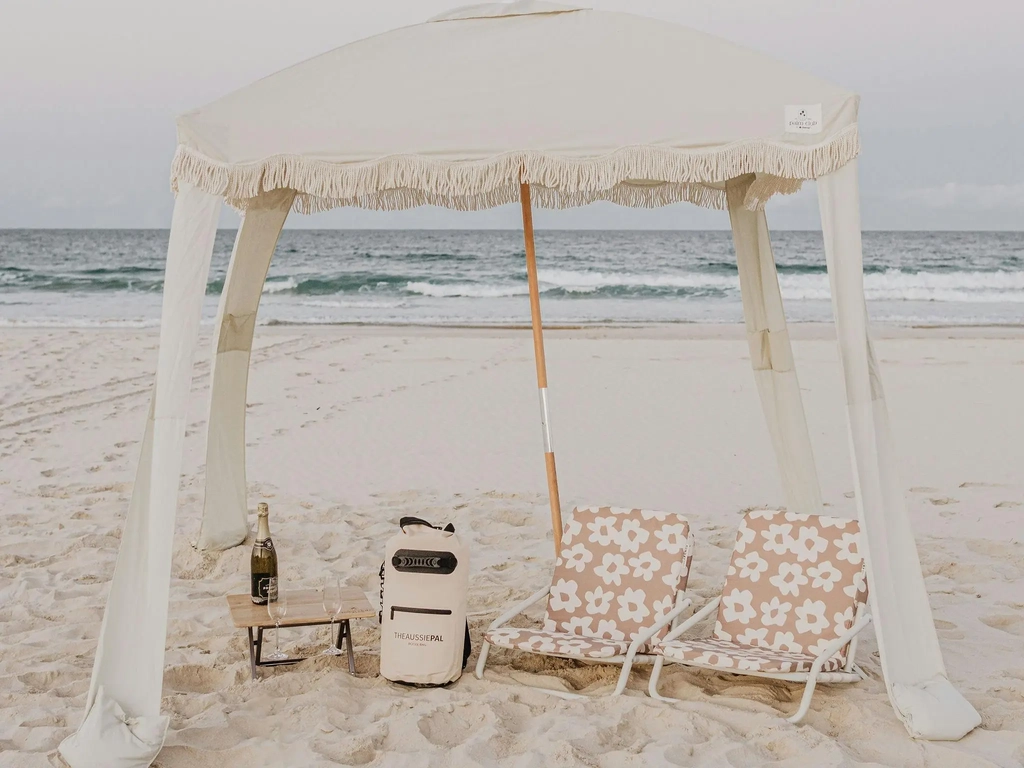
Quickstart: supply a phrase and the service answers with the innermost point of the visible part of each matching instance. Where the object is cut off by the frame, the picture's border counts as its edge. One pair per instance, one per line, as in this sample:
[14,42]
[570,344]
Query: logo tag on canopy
[803,118]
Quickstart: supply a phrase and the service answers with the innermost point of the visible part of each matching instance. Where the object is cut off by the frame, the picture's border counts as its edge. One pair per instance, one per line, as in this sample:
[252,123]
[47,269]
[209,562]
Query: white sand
[350,428]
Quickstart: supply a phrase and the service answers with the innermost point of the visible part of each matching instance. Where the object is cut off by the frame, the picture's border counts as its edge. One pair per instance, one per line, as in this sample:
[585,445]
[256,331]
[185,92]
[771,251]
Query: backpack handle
[420,521]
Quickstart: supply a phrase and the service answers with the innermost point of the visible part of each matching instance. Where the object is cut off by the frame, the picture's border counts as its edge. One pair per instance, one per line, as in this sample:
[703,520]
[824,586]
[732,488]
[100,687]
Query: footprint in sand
[354,749]
[48,681]
[513,517]
[943,500]
[194,678]
[949,630]
[1011,623]
[1006,504]
[46,721]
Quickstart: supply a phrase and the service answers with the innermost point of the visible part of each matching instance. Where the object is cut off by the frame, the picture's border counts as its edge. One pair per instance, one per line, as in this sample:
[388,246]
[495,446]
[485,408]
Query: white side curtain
[915,676]
[771,353]
[225,512]
[128,671]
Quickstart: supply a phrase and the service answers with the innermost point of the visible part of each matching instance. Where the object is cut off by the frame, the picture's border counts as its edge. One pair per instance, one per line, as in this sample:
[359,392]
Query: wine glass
[332,607]
[277,607]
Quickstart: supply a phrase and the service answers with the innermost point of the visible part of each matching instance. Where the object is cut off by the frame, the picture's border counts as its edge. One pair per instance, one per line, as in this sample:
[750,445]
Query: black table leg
[252,654]
[344,641]
[351,650]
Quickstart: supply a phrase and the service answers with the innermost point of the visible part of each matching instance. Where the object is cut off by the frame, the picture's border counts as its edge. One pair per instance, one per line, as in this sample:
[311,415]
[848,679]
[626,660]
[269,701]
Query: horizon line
[503,229]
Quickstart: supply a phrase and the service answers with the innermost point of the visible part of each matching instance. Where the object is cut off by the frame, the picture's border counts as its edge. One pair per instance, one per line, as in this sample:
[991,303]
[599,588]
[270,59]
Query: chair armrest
[515,610]
[660,624]
[834,647]
[698,617]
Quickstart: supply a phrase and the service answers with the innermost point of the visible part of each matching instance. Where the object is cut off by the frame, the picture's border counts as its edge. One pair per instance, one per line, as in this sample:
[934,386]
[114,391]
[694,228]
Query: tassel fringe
[638,177]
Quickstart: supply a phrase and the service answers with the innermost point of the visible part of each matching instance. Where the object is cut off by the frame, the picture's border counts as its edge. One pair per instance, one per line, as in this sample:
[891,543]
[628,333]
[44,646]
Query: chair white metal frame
[851,673]
[631,657]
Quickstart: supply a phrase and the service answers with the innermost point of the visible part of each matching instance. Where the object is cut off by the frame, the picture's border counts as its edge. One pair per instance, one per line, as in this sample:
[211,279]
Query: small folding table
[305,609]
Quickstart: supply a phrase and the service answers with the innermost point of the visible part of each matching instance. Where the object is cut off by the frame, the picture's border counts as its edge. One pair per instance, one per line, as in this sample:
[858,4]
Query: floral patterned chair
[794,601]
[620,572]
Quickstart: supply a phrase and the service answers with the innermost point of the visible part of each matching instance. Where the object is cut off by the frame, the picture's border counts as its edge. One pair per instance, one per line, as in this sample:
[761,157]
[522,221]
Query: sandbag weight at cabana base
[542,367]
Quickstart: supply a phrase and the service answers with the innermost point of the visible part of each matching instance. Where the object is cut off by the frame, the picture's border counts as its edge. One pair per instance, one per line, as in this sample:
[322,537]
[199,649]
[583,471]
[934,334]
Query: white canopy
[582,105]
[483,106]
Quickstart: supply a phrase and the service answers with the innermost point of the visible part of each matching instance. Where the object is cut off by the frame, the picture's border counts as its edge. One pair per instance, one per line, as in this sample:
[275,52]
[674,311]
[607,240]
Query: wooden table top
[305,608]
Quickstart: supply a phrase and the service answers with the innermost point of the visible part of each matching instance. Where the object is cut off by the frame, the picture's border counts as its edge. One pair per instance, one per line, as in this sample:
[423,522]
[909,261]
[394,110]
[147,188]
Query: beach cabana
[551,106]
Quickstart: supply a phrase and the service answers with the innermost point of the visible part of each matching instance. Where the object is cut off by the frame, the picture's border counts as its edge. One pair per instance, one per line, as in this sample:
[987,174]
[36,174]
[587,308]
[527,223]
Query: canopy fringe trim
[638,177]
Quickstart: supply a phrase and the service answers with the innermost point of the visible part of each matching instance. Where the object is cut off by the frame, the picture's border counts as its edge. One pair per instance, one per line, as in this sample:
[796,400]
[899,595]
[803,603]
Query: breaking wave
[891,285]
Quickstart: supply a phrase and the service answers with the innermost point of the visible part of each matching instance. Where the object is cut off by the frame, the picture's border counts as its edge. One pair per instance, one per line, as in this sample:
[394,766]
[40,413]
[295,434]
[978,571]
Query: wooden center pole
[542,369]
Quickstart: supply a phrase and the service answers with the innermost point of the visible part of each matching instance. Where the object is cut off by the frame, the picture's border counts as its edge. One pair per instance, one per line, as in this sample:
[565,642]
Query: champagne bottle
[263,563]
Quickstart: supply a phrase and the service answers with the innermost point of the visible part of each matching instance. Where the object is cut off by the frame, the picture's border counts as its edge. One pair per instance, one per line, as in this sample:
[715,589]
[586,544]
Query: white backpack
[424,637]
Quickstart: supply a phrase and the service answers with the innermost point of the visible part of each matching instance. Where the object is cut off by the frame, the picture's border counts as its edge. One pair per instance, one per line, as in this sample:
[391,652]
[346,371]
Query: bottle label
[264,588]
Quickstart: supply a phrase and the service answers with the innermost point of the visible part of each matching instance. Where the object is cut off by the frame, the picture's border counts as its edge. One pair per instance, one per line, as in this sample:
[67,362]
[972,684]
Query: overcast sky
[89,90]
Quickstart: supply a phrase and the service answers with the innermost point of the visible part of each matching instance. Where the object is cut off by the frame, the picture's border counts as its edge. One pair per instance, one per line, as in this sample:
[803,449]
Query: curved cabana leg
[225,512]
[123,706]
[920,692]
[771,353]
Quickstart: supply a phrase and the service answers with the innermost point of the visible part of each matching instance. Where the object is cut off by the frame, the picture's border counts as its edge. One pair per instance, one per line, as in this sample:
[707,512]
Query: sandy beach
[350,428]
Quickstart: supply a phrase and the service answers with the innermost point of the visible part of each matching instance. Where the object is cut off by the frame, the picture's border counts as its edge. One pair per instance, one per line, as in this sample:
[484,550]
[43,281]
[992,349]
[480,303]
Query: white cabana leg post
[225,512]
[771,353]
[123,725]
[915,676]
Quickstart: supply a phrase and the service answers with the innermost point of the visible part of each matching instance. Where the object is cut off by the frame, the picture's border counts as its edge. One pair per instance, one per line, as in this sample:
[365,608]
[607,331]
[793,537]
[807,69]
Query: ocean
[85,278]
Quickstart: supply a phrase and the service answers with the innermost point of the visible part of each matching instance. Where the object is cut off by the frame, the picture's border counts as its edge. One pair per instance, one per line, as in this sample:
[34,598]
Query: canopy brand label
[803,118]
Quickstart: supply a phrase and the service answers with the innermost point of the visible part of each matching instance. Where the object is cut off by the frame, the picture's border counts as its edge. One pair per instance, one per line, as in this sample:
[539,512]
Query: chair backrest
[620,571]
[795,582]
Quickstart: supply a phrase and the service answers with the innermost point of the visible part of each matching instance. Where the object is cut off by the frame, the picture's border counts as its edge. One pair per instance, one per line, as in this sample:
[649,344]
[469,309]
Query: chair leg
[627,666]
[805,701]
[482,662]
[652,688]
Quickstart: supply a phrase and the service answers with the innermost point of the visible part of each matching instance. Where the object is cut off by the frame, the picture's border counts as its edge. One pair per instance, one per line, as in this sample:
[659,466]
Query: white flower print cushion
[619,567]
[576,559]
[556,643]
[801,576]
[563,596]
[611,569]
[722,654]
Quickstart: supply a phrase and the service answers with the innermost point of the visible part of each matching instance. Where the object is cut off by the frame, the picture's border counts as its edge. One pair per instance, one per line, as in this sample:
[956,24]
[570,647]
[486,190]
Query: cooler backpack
[424,637]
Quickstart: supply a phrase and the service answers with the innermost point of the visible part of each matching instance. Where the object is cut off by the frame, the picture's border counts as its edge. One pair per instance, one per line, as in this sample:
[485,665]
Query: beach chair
[794,601]
[620,571]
